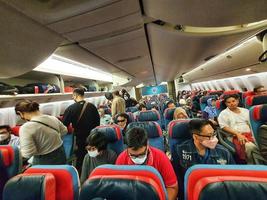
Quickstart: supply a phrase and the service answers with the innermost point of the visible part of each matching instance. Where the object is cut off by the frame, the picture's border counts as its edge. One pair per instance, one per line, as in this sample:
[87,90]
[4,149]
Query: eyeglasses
[141,155]
[123,120]
[208,137]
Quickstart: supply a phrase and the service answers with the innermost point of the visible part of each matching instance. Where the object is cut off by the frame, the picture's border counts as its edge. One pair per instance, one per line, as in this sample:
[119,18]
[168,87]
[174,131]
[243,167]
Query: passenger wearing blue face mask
[201,149]
[98,154]
[138,152]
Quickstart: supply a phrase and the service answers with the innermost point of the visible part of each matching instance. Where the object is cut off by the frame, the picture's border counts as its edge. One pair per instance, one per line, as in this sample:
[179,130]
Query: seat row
[203,182]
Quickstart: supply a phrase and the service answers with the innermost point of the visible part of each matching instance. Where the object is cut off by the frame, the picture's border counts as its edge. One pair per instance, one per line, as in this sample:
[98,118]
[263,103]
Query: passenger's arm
[172,192]
[242,139]
[67,117]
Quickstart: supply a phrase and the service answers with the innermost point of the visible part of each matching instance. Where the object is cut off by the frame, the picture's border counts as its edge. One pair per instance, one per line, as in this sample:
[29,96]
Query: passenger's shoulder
[221,148]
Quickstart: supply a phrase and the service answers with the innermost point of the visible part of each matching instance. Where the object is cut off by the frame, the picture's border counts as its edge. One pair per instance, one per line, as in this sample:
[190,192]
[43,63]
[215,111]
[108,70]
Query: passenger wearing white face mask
[201,149]
[138,152]
[98,154]
[6,138]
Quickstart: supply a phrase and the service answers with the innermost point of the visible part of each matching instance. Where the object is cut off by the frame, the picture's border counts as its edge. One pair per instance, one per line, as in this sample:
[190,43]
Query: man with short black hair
[84,117]
[260,90]
[139,152]
[98,154]
[6,136]
[235,121]
[201,149]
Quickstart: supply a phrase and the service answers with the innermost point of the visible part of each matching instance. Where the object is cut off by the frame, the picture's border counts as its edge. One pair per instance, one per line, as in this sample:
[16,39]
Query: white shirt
[14,141]
[236,121]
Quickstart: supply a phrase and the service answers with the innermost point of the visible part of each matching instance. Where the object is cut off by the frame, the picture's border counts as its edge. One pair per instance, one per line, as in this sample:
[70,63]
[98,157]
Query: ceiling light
[140,85]
[63,66]
[248,69]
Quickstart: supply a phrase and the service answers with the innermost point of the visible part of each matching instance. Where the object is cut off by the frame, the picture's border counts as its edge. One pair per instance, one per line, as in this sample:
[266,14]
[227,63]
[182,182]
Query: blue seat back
[124,182]
[114,136]
[168,116]
[132,109]
[258,117]
[178,132]
[31,186]
[255,100]
[154,132]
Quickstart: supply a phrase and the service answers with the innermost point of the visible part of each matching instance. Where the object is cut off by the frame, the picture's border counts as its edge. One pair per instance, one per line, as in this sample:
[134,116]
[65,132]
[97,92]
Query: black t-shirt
[89,120]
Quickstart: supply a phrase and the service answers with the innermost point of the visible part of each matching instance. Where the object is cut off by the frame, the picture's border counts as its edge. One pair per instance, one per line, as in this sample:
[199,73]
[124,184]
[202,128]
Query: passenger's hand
[241,138]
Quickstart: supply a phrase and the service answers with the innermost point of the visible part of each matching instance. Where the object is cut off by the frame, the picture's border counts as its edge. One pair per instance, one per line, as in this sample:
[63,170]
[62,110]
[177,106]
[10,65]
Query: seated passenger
[180,113]
[141,107]
[139,152]
[260,90]
[40,136]
[6,136]
[123,121]
[96,145]
[235,121]
[170,104]
[210,112]
[104,118]
[201,149]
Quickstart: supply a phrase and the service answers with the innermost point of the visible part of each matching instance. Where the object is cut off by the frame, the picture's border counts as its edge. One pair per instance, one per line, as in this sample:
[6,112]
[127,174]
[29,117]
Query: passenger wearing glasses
[122,120]
[201,149]
[138,152]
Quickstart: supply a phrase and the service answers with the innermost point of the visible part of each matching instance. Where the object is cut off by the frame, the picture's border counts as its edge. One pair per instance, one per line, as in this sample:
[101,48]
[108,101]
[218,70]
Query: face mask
[93,154]
[211,144]
[4,137]
[139,161]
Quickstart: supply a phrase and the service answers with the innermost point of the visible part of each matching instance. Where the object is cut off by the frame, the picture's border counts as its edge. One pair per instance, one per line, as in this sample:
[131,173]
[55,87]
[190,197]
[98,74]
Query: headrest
[153,129]
[256,100]
[28,186]
[63,174]
[236,187]
[205,98]
[112,132]
[259,113]
[215,92]
[168,113]
[132,109]
[8,154]
[15,130]
[248,93]
[149,115]
[219,104]
[231,92]
[194,177]
[179,129]
[119,182]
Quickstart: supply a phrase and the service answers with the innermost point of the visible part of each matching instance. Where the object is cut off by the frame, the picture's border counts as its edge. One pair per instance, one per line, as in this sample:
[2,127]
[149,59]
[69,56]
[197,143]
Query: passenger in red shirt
[138,152]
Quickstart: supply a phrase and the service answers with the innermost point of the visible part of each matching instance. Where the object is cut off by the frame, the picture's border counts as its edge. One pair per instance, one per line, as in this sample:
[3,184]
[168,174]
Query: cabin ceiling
[140,39]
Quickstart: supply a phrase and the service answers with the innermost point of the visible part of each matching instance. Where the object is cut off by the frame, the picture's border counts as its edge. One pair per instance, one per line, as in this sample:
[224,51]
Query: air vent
[129,59]
[209,57]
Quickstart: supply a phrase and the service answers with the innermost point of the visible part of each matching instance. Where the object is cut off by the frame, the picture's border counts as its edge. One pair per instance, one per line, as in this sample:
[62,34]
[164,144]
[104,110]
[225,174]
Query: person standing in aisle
[84,117]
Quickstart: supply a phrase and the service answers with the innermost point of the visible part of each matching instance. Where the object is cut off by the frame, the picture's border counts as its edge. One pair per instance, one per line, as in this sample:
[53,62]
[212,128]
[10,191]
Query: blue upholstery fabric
[255,124]
[25,188]
[131,117]
[255,100]
[16,165]
[148,115]
[154,132]
[178,132]
[130,187]
[68,143]
[168,116]
[114,136]
[132,109]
